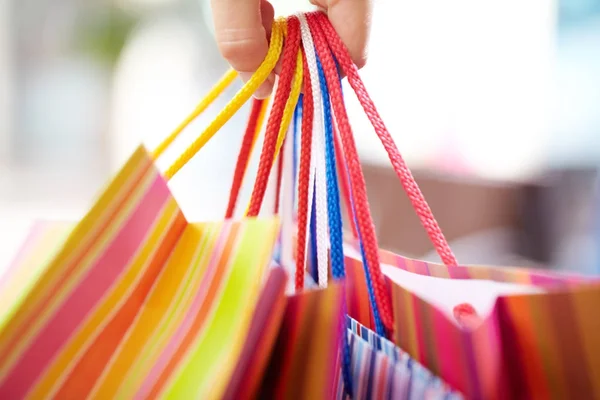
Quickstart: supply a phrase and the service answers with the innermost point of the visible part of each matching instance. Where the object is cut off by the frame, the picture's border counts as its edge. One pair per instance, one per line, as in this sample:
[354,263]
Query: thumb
[241,30]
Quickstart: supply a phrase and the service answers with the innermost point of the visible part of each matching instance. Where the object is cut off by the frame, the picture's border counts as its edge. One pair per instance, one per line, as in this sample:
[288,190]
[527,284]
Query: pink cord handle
[406,178]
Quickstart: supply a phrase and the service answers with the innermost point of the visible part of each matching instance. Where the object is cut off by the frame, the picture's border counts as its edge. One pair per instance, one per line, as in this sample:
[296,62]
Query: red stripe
[67,269]
[91,365]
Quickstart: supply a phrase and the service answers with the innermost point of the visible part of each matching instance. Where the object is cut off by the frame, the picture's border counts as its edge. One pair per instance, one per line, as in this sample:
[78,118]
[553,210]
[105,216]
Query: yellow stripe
[203,105]
[159,302]
[102,315]
[55,302]
[237,102]
[205,369]
[82,234]
[173,316]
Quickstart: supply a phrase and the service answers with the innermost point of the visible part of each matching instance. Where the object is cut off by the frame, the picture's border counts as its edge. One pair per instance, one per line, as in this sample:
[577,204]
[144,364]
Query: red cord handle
[357,181]
[243,157]
[279,179]
[304,175]
[406,178]
[340,161]
[288,62]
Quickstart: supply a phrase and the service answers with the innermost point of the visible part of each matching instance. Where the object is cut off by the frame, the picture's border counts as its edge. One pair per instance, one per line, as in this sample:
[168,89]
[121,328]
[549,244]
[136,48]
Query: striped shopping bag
[528,334]
[134,301]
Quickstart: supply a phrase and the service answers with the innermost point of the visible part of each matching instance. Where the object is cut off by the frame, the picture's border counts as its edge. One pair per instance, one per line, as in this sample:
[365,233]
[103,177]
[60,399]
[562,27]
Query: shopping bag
[534,335]
[137,302]
[529,334]
[312,357]
[381,369]
[135,299]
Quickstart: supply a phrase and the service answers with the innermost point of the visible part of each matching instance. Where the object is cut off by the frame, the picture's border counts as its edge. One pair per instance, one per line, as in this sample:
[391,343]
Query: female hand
[243,26]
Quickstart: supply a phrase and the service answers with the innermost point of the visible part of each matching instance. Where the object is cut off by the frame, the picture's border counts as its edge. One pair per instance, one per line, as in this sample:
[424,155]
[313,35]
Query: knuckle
[244,50]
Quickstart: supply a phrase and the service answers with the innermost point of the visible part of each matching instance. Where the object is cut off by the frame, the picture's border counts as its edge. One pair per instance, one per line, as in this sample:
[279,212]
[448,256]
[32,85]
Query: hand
[243,26]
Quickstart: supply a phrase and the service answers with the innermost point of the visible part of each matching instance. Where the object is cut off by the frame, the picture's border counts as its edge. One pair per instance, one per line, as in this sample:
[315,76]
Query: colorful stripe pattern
[529,346]
[137,302]
[305,361]
[380,370]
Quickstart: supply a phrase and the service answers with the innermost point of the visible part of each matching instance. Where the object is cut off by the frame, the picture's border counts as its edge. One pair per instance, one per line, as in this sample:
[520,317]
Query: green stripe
[213,351]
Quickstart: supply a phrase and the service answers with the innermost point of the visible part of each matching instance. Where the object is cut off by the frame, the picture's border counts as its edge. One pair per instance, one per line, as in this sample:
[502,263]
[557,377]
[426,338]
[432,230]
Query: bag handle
[343,178]
[406,178]
[358,186]
[281,115]
[253,127]
[240,98]
[318,163]
[304,177]
[212,95]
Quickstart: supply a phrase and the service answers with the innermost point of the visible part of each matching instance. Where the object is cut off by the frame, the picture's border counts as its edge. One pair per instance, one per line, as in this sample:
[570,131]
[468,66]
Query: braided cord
[304,180]
[406,178]
[242,96]
[319,156]
[215,92]
[250,135]
[276,131]
[358,186]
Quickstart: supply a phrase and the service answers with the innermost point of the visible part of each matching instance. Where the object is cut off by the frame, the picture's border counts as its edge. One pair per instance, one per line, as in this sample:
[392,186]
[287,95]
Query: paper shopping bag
[532,334]
[382,370]
[305,359]
[135,300]
[534,337]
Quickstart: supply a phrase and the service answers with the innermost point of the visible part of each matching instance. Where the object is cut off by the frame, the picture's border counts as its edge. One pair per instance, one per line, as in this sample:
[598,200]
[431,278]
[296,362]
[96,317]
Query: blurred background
[494,104]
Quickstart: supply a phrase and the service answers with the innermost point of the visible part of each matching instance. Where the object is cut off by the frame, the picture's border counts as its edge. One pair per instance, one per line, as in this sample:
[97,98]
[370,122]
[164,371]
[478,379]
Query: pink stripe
[447,337]
[190,315]
[84,297]
[421,268]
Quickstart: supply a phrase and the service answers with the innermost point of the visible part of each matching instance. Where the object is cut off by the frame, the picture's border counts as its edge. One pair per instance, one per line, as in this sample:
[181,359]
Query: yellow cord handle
[238,100]
[288,110]
[215,92]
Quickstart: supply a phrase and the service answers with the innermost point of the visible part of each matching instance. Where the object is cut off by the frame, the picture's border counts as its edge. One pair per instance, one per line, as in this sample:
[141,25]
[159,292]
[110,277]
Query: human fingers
[241,30]
[351,19]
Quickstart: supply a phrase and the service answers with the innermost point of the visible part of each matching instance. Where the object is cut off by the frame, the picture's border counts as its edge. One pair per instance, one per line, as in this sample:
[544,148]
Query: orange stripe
[104,313]
[201,317]
[156,306]
[523,318]
[96,358]
[74,249]
[588,323]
